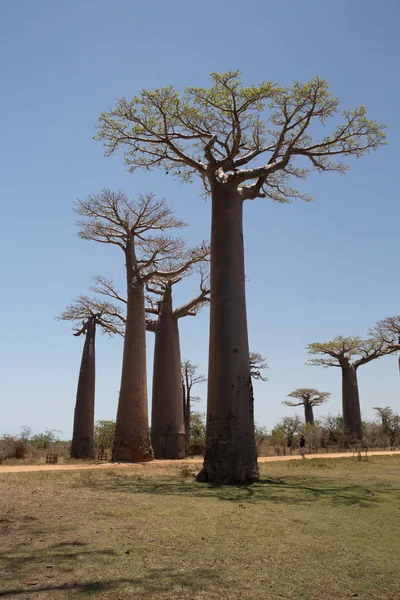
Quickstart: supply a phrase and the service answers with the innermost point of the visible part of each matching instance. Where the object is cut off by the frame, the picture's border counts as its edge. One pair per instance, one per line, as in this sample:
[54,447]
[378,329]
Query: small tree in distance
[308,398]
[287,430]
[190,378]
[104,432]
[348,354]
[244,143]
[167,413]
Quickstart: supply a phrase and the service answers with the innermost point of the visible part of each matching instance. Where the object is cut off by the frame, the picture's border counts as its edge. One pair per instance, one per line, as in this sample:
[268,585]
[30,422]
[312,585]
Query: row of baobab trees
[146,232]
[242,142]
[348,354]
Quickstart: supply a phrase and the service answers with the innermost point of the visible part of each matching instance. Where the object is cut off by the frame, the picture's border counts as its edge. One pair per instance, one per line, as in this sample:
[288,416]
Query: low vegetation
[325,435]
[308,530]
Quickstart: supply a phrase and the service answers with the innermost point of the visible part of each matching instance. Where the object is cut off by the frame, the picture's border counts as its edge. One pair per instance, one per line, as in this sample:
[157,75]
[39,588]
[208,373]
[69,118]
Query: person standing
[302,444]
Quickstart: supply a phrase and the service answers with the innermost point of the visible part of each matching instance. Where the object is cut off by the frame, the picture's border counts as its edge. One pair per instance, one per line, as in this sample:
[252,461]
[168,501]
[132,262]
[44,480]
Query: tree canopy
[343,351]
[309,396]
[232,133]
[107,315]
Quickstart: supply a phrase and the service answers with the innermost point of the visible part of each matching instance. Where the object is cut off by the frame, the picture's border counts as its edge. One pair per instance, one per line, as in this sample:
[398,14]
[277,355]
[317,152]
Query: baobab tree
[88,313]
[190,377]
[349,353]
[244,143]
[167,414]
[137,228]
[388,331]
[308,397]
[168,422]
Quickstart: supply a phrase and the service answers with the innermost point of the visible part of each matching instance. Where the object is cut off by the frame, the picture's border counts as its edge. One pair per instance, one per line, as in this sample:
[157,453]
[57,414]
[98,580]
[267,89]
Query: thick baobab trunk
[131,439]
[351,402]
[83,435]
[308,413]
[167,421]
[231,453]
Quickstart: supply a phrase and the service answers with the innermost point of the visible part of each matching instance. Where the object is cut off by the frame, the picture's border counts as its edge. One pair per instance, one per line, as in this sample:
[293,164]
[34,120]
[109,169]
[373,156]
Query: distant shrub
[11,447]
[197,439]
[104,435]
[42,441]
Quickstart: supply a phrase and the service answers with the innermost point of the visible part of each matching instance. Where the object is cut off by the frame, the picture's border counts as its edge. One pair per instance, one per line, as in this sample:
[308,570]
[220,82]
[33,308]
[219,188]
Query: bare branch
[108,316]
[257,363]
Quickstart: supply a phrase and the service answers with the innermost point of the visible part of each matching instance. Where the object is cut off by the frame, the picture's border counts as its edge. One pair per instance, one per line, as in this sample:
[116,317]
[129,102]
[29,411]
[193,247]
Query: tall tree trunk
[308,413]
[184,404]
[167,422]
[187,416]
[83,435]
[351,402]
[231,452]
[131,439]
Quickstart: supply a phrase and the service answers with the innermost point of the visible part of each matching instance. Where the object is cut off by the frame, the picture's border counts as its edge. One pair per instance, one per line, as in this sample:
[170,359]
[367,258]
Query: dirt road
[187,461]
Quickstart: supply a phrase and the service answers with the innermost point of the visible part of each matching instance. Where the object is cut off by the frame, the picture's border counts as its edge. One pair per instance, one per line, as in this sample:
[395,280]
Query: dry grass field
[322,529]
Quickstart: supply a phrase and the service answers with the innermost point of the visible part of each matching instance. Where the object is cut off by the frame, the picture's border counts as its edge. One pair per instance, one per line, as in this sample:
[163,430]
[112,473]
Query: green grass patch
[326,529]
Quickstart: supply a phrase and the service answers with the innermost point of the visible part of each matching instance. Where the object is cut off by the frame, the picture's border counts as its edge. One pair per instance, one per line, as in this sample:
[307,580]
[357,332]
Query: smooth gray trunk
[231,452]
[186,397]
[131,440]
[308,413]
[351,402]
[167,419]
[82,445]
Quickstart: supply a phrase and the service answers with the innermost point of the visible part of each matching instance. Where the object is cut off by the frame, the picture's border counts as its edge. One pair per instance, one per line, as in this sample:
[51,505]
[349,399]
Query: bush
[104,435]
[197,439]
[42,441]
[11,447]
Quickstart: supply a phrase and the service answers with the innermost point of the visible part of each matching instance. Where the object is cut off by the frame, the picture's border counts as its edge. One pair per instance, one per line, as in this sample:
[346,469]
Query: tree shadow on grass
[272,490]
[155,583]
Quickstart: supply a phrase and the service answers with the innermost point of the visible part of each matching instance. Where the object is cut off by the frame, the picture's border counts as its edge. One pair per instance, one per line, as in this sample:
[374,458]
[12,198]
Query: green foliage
[288,430]
[228,125]
[42,441]
[104,434]
[197,439]
[341,350]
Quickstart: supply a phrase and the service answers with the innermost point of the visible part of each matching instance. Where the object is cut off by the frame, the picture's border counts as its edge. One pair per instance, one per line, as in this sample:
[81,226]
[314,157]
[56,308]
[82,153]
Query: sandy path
[186,461]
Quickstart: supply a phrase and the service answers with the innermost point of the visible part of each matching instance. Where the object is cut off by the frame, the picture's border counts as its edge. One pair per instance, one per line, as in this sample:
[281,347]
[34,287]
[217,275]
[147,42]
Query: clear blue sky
[314,270]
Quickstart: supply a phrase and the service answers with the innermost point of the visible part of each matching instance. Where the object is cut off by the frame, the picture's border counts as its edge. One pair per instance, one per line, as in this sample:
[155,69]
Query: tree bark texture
[82,445]
[351,402]
[167,420]
[131,439]
[231,452]
[308,413]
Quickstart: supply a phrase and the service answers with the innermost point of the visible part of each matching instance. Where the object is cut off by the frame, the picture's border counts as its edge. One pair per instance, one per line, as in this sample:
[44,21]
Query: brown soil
[192,461]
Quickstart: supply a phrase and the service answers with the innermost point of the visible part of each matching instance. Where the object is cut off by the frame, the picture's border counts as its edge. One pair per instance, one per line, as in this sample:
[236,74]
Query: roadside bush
[104,435]
[197,439]
[11,447]
[42,441]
